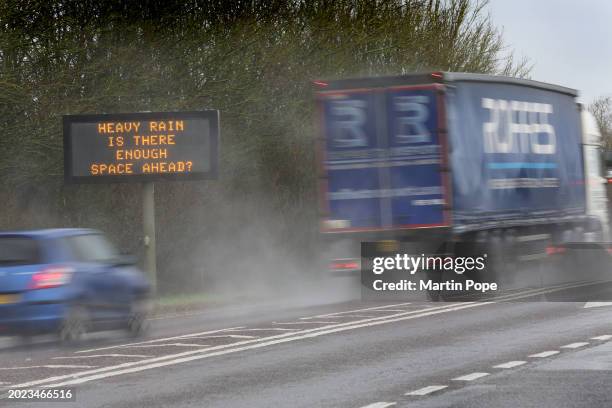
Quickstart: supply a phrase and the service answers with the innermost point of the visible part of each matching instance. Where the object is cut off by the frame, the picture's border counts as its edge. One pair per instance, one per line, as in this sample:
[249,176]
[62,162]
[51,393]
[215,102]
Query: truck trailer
[445,160]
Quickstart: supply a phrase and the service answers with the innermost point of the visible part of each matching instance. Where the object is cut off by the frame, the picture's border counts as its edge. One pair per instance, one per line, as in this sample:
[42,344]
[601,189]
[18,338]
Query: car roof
[50,233]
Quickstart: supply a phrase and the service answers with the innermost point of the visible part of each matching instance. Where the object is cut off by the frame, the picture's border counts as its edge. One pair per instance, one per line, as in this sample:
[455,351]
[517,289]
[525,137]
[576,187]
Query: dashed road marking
[604,337]
[545,354]
[232,336]
[101,356]
[470,377]
[306,322]
[588,305]
[427,390]
[169,345]
[510,364]
[47,366]
[184,336]
[357,310]
[267,329]
[575,345]
[380,405]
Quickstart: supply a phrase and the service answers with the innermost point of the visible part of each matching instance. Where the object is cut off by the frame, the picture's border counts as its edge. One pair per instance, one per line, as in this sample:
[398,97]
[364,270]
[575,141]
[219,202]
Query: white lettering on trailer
[348,130]
[517,127]
[411,128]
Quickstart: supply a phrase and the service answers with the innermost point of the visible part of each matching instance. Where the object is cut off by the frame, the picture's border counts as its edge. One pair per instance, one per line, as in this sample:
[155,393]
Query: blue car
[68,281]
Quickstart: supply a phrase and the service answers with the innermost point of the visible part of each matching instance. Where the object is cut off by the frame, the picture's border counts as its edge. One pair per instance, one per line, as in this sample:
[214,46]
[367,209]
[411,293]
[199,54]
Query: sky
[568,42]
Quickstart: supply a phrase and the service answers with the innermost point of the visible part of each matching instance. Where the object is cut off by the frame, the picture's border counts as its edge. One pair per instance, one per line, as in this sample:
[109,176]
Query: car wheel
[138,323]
[74,326]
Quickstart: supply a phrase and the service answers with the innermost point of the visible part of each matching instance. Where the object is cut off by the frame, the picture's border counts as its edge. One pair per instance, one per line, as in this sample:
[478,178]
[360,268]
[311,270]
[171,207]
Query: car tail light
[553,250]
[344,265]
[51,277]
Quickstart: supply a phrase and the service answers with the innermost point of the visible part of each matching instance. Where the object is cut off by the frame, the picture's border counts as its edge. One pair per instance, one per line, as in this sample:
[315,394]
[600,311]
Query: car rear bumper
[31,318]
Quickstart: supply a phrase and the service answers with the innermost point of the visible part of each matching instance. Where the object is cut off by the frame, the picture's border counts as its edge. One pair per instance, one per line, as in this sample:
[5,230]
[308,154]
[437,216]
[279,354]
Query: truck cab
[596,179]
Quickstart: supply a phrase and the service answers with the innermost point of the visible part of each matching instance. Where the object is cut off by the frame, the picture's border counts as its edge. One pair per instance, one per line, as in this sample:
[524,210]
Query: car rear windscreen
[15,251]
[92,248]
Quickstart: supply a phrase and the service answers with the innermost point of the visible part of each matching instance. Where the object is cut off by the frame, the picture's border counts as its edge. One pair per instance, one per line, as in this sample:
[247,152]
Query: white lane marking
[184,336]
[47,366]
[575,345]
[168,345]
[358,310]
[510,364]
[233,336]
[427,390]
[267,329]
[380,405]
[604,337]
[4,383]
[281,338]
[470,377]
[545,354]
[589,305]
[101,356]
[308,322]
[125,368]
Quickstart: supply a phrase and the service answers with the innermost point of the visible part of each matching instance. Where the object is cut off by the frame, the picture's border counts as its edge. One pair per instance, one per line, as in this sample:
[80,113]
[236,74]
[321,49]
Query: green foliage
[253,60]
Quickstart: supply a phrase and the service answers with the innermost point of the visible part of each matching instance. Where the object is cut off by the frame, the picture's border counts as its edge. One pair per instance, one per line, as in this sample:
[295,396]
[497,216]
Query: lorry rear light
[344,265]
[51,277]
[553,250]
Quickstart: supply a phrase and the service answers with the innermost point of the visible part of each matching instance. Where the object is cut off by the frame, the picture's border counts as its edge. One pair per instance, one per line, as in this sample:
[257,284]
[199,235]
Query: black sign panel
[149,146]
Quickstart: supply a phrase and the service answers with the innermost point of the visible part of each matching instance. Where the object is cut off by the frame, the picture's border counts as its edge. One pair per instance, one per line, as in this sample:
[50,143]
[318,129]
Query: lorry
[456,163]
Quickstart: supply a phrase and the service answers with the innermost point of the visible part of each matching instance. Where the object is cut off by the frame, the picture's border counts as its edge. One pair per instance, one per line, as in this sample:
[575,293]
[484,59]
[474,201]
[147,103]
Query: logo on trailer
[411,126]
[348,129]
[518,127]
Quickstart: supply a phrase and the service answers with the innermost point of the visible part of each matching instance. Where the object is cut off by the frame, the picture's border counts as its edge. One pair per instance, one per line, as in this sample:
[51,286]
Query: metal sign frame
[211,115]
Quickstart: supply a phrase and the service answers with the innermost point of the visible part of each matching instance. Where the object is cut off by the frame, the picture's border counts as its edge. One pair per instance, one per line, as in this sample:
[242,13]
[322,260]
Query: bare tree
[254,60]
[601,108]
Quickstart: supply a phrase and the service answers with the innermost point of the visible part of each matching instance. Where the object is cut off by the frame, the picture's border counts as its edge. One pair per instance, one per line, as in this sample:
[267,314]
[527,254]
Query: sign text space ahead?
[147,146]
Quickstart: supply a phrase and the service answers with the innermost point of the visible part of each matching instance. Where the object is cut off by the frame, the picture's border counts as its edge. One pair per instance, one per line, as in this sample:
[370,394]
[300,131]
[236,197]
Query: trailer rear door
[383,156]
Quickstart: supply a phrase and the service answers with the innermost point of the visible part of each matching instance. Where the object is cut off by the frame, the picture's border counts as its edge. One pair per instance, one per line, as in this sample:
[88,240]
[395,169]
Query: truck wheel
[434,276]
[433,295]
[495,265]
[74,325]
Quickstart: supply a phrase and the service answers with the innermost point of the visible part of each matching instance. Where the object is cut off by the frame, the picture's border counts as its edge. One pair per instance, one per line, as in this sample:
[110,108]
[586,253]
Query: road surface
[514,351]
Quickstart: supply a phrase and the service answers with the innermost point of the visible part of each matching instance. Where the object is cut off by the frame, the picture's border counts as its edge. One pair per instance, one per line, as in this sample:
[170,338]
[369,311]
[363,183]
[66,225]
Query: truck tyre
[495,265]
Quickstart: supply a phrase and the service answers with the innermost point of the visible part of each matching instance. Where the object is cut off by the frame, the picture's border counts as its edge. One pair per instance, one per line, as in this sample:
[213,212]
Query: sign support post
[148,223]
